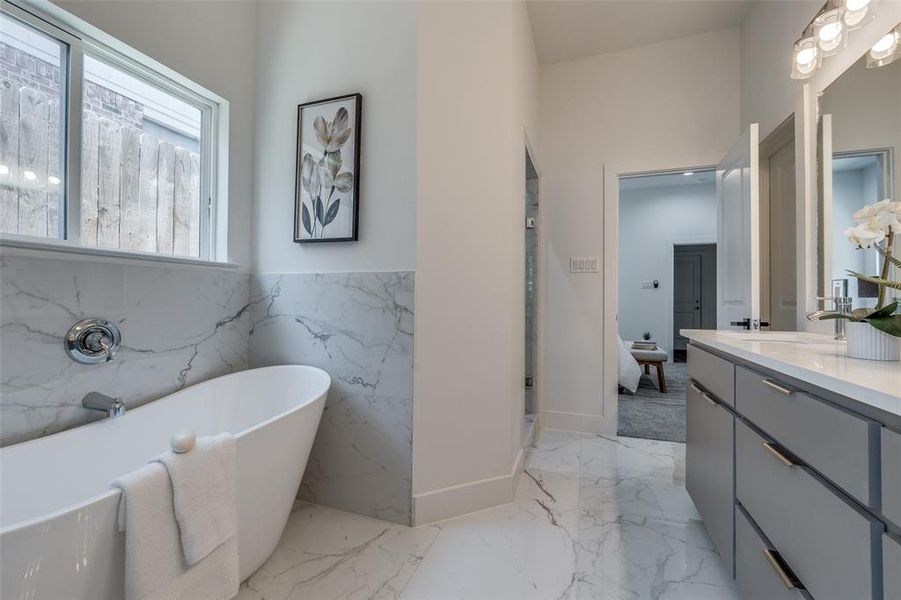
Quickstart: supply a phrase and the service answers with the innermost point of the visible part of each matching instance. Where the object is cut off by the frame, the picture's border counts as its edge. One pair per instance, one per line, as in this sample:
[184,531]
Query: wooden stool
[649,358]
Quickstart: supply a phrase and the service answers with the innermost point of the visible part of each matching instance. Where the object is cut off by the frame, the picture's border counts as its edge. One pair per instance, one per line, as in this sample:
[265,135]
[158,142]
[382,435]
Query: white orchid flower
[864,236]
[881,215]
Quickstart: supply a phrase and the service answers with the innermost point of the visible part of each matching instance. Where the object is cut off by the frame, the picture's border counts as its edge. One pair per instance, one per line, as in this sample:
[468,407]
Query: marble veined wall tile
[359,328]
[179,326]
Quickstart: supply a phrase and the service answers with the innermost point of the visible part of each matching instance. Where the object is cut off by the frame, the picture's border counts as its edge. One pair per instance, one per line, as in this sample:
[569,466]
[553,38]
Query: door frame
[610,308]
[541,298]
[670,261]
[779,138]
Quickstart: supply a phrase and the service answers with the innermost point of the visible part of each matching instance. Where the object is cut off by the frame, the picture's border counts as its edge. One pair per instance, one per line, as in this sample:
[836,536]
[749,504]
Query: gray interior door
[694,290]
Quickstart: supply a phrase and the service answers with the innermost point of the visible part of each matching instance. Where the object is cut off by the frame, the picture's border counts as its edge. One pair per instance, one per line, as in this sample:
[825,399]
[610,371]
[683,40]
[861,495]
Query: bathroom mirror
[859,138]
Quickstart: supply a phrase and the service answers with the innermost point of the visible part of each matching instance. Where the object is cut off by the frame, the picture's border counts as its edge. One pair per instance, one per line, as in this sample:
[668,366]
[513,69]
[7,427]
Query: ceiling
[642,182]
[568,29]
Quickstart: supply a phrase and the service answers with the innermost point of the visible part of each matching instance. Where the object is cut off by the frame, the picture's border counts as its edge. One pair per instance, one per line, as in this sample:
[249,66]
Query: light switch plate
[583,264]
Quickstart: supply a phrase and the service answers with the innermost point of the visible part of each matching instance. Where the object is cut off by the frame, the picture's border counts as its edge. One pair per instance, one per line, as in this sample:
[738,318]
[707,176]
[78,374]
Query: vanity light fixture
[30,175]
[829,28]
[887,50]
[806,58]
[857,13]
[4,170]
[827,34]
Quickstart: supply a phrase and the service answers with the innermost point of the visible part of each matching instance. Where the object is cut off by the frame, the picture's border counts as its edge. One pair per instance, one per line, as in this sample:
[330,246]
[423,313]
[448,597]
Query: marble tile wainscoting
[359,328]
[180,325]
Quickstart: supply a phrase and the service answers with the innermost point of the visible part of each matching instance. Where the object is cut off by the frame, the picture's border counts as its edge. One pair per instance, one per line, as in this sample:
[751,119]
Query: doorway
[667,231]
[694,292]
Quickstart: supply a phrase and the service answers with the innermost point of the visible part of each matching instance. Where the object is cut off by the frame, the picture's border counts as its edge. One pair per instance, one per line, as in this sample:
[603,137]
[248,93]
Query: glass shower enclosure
[531,295]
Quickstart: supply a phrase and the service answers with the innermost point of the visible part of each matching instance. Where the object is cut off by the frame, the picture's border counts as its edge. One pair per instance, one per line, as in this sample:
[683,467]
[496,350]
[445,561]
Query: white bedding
[629,371]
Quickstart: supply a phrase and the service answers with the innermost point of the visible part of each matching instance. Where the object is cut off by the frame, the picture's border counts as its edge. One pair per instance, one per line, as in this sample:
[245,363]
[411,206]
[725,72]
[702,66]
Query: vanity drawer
[891,475]
[891,569]
[832,441]
[709,468]
[715,374]
[755,576]
[827,542]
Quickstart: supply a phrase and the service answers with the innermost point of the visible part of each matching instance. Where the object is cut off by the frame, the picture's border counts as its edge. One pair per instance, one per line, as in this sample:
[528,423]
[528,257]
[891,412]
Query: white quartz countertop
[812,358]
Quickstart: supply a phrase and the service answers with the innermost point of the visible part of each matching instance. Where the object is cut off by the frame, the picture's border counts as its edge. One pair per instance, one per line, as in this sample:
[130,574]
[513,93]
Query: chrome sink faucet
[113,407]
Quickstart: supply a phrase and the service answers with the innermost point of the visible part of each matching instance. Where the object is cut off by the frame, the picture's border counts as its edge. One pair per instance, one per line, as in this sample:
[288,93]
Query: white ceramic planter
[867,342]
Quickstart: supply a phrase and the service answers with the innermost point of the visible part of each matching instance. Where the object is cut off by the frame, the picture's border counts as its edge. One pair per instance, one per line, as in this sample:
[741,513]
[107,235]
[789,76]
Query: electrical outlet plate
[583,264]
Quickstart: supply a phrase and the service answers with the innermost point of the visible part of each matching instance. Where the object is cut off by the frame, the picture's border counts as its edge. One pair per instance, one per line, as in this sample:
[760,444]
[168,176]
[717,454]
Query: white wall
[768,94]
[650,220]
[477,73]
[211,43]
[313,50]
[672,99]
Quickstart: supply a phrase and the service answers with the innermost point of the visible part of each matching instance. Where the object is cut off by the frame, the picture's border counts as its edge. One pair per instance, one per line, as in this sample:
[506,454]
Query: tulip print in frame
[328,170]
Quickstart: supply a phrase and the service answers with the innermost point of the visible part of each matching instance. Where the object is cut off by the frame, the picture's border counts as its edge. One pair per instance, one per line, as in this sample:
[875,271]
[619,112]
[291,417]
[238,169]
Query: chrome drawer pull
[778,453]
[703,394]
[775,561]
[777,387]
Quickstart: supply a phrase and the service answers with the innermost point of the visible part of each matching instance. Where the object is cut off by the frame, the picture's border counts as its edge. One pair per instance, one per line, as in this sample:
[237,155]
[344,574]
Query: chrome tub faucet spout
[113,407]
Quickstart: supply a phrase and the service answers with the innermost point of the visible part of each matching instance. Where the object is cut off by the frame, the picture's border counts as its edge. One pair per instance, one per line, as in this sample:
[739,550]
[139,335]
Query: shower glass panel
[531,293]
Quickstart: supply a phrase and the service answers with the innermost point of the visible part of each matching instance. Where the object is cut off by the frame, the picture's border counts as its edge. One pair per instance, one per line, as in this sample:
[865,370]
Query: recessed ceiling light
[688,173]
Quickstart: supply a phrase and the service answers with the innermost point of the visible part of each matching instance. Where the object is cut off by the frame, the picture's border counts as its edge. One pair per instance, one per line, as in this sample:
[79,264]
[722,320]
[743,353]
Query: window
[32,126]
[140,143]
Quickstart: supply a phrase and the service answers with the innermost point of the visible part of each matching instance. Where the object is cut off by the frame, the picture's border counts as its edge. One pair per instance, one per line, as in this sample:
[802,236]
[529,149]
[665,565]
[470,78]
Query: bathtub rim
[114,492]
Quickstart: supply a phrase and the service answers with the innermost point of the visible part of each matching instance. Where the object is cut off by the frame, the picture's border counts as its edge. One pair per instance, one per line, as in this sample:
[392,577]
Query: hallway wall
[664,100]
[650,219]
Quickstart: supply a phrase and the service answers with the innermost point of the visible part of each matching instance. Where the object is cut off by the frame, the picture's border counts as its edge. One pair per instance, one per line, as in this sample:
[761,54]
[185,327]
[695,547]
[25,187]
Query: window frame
[83,39]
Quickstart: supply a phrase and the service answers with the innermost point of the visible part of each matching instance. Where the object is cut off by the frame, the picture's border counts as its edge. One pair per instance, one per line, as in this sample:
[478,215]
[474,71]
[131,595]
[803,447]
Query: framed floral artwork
[326,203]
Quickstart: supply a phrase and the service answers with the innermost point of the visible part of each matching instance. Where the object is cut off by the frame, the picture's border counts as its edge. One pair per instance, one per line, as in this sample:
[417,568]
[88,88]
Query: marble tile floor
[593,517]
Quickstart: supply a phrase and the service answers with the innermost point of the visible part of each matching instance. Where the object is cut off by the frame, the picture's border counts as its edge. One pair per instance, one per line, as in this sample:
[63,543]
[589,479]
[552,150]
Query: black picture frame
[301,236]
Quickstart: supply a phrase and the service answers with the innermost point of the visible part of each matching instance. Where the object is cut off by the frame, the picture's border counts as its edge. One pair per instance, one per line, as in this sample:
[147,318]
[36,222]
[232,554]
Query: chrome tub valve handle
[93,341]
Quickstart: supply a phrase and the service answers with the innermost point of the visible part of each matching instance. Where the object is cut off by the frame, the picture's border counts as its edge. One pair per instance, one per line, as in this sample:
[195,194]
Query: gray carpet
[651,415]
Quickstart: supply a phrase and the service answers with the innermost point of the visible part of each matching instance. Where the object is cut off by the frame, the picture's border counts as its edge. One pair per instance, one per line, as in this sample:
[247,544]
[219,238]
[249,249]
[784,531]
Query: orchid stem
[886,265]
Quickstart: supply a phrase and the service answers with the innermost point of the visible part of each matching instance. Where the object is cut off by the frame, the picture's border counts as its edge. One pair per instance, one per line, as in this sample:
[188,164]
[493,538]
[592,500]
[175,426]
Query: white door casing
[738,234]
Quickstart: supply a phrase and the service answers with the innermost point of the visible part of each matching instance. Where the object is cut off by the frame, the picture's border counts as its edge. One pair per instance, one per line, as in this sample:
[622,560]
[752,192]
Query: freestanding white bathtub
[58,536]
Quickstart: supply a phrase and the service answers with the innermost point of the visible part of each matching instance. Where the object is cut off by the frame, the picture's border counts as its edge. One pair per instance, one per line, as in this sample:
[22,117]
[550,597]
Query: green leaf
[833,316]
[305,217]
[885,311]
[332,212]
[319,211]
[895,285]
[890,325]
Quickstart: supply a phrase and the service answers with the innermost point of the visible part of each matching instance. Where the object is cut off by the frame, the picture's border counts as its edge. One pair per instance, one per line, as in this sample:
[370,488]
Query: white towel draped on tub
[203,486]
[155,561]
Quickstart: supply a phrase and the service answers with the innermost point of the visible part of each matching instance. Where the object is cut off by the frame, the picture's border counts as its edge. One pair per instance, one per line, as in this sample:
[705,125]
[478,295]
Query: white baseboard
[469,497]
[583,423]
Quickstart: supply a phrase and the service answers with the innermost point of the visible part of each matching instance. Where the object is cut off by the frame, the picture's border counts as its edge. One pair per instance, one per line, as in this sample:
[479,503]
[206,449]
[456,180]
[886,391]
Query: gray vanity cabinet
[800,493]
[891,476]
[715,374]
[824,540]
[709,469]
[833,441]
[891,560]
[758,575]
